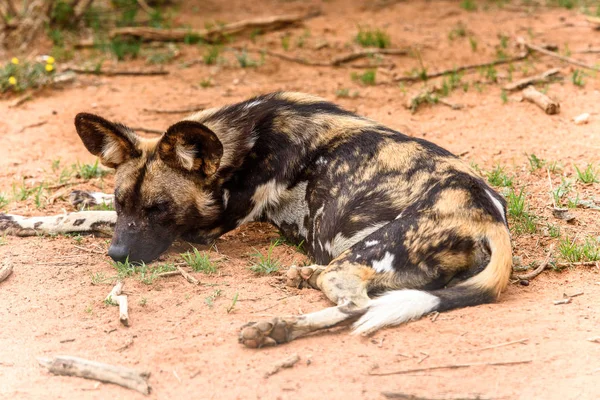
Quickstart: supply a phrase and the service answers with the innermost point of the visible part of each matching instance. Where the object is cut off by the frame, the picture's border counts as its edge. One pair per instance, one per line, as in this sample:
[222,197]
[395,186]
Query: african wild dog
[381,214]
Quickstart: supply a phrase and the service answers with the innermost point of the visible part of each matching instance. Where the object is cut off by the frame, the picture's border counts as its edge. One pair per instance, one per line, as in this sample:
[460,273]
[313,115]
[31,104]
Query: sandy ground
[49,305]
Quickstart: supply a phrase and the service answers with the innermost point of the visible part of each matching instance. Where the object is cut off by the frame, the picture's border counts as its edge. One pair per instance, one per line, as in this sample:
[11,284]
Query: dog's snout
[118,253]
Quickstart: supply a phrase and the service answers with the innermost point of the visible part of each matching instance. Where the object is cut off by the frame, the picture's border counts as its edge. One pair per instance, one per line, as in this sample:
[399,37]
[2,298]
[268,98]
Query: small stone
[582,119]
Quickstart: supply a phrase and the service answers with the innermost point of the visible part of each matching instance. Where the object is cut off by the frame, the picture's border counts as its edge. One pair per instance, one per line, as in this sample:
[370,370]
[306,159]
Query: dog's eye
[158,208]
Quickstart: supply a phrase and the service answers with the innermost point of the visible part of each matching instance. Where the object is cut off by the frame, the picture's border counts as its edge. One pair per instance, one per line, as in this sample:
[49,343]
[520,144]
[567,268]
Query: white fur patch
[371,243]
[265,195]
[342,243]
[292,208]
[112,152]
[394,308]
[321,161]
[225,198]
[386,264]
[253,104]
[186,156]
[497,204]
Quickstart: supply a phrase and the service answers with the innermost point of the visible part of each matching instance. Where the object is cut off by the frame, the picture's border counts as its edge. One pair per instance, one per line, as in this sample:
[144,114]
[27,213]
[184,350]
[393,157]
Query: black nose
[118,253]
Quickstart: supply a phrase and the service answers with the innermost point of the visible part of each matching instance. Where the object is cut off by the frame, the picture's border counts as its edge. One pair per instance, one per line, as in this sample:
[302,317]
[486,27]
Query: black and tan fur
[397,226]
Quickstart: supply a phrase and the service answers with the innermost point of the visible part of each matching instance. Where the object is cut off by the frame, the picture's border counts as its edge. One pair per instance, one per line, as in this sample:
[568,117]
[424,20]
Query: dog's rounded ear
[191,146]
[113,143]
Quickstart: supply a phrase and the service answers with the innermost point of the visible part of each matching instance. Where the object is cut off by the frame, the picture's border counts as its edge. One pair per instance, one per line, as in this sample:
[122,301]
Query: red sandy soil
[49,305]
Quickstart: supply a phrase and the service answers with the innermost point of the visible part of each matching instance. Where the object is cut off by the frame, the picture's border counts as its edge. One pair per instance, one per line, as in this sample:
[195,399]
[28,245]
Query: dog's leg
[343,282]
[82,198]
[75,222]
[301,277]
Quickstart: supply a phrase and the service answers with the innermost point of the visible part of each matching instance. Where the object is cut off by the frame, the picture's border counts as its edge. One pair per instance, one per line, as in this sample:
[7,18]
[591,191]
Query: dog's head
[164,188]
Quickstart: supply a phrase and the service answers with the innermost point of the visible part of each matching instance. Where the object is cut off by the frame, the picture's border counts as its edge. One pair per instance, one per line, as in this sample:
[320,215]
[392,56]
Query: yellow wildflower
[50,60]
[15,60]
[12,80]
[49,67]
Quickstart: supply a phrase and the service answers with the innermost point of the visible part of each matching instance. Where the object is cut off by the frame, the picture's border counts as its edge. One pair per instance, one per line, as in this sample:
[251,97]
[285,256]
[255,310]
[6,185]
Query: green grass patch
[199,262]
[573,251]
[522,221]
[499,178]
[366,78]
[367,37]
[588,175]
[265,264]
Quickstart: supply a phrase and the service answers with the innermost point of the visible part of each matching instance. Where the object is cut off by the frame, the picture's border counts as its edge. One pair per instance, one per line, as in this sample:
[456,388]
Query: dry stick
[544,102]
[5,271]
[406,396]
[498,345]
[118,73]
[144,6]
[461,68]
[556,55]
[538,270]
[365,53]
[335,62]
[582,263]
[74,366]
[188,277]
[179,111]
[450,366]
[263,24]
[116,298]
[287,363]
[33,125]
[543,77]
[588,51]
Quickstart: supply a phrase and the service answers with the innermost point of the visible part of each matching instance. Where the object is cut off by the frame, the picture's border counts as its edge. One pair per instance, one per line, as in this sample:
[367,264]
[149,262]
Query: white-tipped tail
[394,308]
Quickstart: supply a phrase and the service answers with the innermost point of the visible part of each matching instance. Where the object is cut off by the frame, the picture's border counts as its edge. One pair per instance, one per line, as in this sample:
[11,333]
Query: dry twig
[117,72]
[188,277]
[74,366]
[213,34]
[554,54]
[544,102]
[543,77]
[498,345]
[450,366]
[460,69]
[538,270]
[286,363]
[116,298]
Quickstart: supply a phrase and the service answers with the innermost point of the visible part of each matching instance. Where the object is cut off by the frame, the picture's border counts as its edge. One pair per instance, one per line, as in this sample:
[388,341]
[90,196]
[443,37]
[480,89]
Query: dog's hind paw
[301,277]
[265,333]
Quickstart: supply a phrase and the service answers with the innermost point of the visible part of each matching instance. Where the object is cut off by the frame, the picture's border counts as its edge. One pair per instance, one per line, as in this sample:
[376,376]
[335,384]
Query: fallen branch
[117,72]
[450,366]
[74,366]
[287,363]
[213,34]
[543,77]
[5,270]
[538,270]
[460,69]
[591,50]
[549,106]
[581,263]
[116,298]
[550,53]
[176,111]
